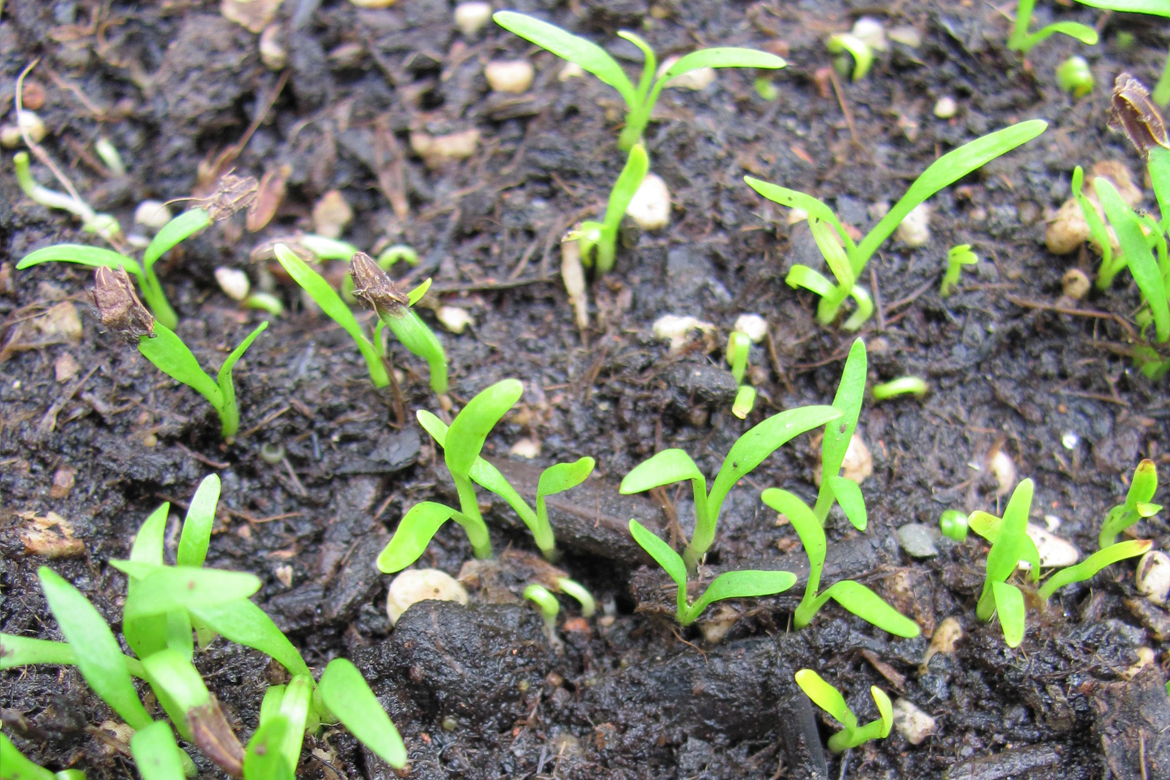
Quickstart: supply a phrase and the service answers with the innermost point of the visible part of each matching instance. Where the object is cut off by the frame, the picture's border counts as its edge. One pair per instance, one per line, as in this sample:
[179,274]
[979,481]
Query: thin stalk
[1019,37]
[477,534]
[1161,93]
[704,530]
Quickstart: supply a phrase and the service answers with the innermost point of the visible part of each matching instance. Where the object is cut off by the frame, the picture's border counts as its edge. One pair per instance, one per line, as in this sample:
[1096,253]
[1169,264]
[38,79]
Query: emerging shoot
[602,236]
[831,701]
[1023,41]
[957,257]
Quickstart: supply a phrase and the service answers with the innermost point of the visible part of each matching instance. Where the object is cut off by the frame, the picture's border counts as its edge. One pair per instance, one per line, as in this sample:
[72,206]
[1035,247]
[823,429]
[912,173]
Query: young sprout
[639,100]
[602,236]
[903,385]
[373,287]
[729,585]
[853,596]
[834,445]
[1023,41]
[1097,230]
[738,345]
[1137,504]
[103,225]
[749,451]
[1161,93]
[1086,569]
[861,52]
[123,313]
[847,259]
[549,607]
[954,525]
[1009,544]
[1074,75]
[831,701]
[957,257]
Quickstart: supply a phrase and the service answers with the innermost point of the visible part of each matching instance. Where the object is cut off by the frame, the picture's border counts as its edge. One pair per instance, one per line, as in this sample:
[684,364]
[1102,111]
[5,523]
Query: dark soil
[478,692]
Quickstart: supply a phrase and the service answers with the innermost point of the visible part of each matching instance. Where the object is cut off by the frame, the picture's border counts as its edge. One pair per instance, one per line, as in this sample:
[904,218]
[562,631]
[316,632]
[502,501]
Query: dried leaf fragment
[1133,113]
[373,287]
[118,305]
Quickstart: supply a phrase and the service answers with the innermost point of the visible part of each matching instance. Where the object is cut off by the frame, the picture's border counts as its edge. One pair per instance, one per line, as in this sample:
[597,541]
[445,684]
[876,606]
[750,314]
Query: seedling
[1086,569]
[749,451]
[831,701]
[1097,230]
[639,100]
[462,443]
[1161,94]
[123,313]
[738,346]
[164,605]
[1010,543]
[547,603]
[834,445]
[903,385]
[954,525]
[729,585]
[103,225]
[853,596]
[14,766]
[1137,504]
[1023,41]
[602,236]
[846,259]
[957,257]
[859,50]
[1074,75]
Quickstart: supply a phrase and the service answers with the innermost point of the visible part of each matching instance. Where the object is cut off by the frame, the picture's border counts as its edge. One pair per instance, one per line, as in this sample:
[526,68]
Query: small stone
[526,448]
[858,462]
[284,575]
[65,367]
[946,107]
[152,214]
[331,214]
[454,318]
[252,15]
[911,722]
[509,76]
[63,479]
[717,622]
[233,282]
[871,32]
[10,135]
[1075,283]
[272,51]
[753,326]
[946,635]
[696,80]
[1004,470]
[1153,576]
[32,95]
[1053,550]
[438,149]
[650,206]
[917,540]
[914,230]
[51,537]
[571,71]
[905,35]
[470,18]
[676,329]
[415,585]
[1067,230]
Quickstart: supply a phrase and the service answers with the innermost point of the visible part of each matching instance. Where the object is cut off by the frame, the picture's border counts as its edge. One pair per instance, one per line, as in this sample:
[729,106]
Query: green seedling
[846,259]
[859,50]
[1137,255]
[332,249]
[166,608]
[834,445]
[853,596]
[1023,41]
[954,525]
[602,236]
[103,225]
[957,257]
[831,701]
[373,287]
[1097,231]
[639,100]
[903,385]
[738,346]
[1010,543]
[1161,94]
[121,312]
[547,603]
[729,585]
[749,451]
[1074,75]
[1086,569]
[1137,504]
[174,232]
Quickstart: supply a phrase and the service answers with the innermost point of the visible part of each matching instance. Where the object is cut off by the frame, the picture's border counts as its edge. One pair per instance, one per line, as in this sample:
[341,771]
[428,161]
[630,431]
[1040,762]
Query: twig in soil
[688,644]
[844,106]
[206,461]
[292,475]
[878,309]
[1103,315]
[1095,396]
[267,419]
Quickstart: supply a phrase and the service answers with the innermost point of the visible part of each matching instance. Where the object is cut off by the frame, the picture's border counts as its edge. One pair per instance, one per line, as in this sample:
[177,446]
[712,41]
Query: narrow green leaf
[801,276]
[270,704]
[848,495]
[1138,256]
[850,394]
[196,535]
[177,230]
[246,624]
[80,254]
[183,587]
[833,252]
[1087,568]
[885,710]
[943,172]
[98,656]
[14,766]
[649,64]
[591,57]
[795,199]
[826,697]
[563,476]
[1004,555]
[663,468]
[345,692]
[807,526]
[294,708]
[416,295]
[413,534]
[263,758]
[225,371]
[634,171]
[327,248]
[470,428]
[148,544]
[176,675]
[1154,7]
[1097,228]
[742,585]
[156,754]
[420,340]
[661,552]
[1081,32]
[171,356]
[870,607]
[861,52]
[717,57]
[23,651]
[1009,605]
[330,302]
[1159,167]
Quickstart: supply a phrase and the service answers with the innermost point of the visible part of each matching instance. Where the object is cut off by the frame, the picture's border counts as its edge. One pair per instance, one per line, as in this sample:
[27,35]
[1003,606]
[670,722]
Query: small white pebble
[871,32]
[233,282]
[454,318]
[284,575]
[437,149]
[1053,550]
[272,52]
[509,76]
[1052,522]
[697,80]
[571,71]
[415,585]
[526,448]
[650,206]
[911,722]
[1075,283]
[1070,440]
[858,462]
[946,107]
[331,214]
[676,329]
[1153,576]
[1004,470]
[470,18]
[753,326]
[914,231]
[905,35]
[10,136]
[152,214]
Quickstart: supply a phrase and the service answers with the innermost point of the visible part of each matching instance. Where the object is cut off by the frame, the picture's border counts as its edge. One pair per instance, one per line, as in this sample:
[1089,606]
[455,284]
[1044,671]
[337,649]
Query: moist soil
[94,438]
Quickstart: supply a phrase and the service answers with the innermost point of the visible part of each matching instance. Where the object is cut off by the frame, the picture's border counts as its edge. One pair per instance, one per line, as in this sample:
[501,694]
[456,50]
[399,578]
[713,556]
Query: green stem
[421,341]
[636,122]
[1019,37]
[704,528]
[580,593]
[1161,94]
[477,533]
[156,299]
